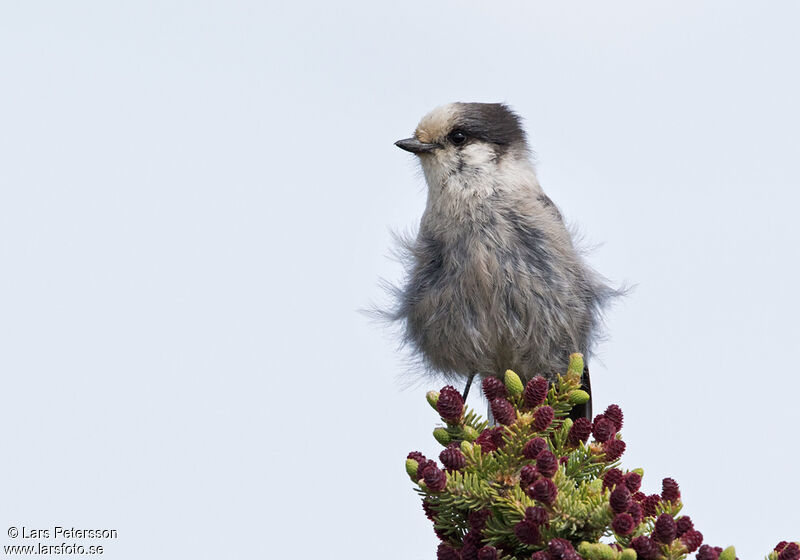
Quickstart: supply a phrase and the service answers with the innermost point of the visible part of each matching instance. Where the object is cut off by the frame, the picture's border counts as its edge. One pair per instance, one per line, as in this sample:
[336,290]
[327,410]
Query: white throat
[461,184]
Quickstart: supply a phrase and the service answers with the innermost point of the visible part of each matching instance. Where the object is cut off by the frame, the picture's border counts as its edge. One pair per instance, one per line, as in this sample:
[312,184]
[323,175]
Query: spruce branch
[541,486]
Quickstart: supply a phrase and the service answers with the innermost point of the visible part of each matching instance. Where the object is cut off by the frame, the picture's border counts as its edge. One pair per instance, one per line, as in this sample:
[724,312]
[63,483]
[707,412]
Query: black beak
[415,146]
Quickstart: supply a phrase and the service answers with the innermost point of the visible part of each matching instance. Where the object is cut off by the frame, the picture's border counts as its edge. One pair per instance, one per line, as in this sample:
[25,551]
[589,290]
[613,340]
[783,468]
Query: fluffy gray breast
[491,273]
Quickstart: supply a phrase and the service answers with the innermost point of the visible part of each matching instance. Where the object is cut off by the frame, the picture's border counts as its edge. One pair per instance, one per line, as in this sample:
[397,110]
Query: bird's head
[466,141]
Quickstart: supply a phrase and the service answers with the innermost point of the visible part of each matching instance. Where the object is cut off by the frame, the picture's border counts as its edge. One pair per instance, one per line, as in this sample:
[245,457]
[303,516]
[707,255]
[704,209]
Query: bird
[494,279]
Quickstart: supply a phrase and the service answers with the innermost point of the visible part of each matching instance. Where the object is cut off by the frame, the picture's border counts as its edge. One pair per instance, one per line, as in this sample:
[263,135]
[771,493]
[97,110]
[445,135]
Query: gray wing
[548,203]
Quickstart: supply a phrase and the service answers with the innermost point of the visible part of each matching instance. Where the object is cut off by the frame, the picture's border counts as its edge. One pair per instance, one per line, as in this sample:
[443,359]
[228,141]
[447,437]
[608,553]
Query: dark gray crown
[491,122]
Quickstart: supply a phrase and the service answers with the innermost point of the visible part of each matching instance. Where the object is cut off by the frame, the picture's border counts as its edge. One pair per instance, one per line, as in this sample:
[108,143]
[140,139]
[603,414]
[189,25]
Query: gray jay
[494,280]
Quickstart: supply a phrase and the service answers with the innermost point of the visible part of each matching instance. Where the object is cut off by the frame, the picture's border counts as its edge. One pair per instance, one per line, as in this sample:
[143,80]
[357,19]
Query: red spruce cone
[614,413]
[535,392]
[670,491]
[683,524]
[665,529]
[635,509]
[623,524]
[562,549]
[790,552]
[580,431]
[543,490]
[494,388]
[546,463]
[452,458]
[708,553]
[603,429]
[498,433]
[612,478]
[450,404]
[470,546]
[614,449]
[534,447]
[537,515]
[487,553]
[477,519]
[633,481]
[447,552]
[417,456]
[542,418]
[526,476]
[422,466]
[541,555]
[485,441]
[619,499]
[646,548]
[503,411]
[649,505]
[527,532]
[692,539]
[434,478]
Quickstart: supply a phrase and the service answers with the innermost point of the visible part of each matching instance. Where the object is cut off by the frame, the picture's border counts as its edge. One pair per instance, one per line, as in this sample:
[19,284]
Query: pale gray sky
[196,198]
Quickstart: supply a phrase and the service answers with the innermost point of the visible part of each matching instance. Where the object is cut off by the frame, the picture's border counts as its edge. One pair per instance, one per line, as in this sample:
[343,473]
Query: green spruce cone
[442,436]
[513,383]
[578,396]
[597,551]
[411,469]
[432,398]
[575,368]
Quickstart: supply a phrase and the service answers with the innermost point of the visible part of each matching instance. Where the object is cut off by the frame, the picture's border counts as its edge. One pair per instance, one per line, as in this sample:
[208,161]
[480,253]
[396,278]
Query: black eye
[457,137]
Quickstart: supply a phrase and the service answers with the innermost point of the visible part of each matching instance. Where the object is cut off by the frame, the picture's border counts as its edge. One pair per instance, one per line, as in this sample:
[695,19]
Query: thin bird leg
[469,383]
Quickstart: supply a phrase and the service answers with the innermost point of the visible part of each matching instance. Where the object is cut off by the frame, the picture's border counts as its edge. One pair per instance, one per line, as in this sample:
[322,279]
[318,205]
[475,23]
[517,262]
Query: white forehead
[437,123]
